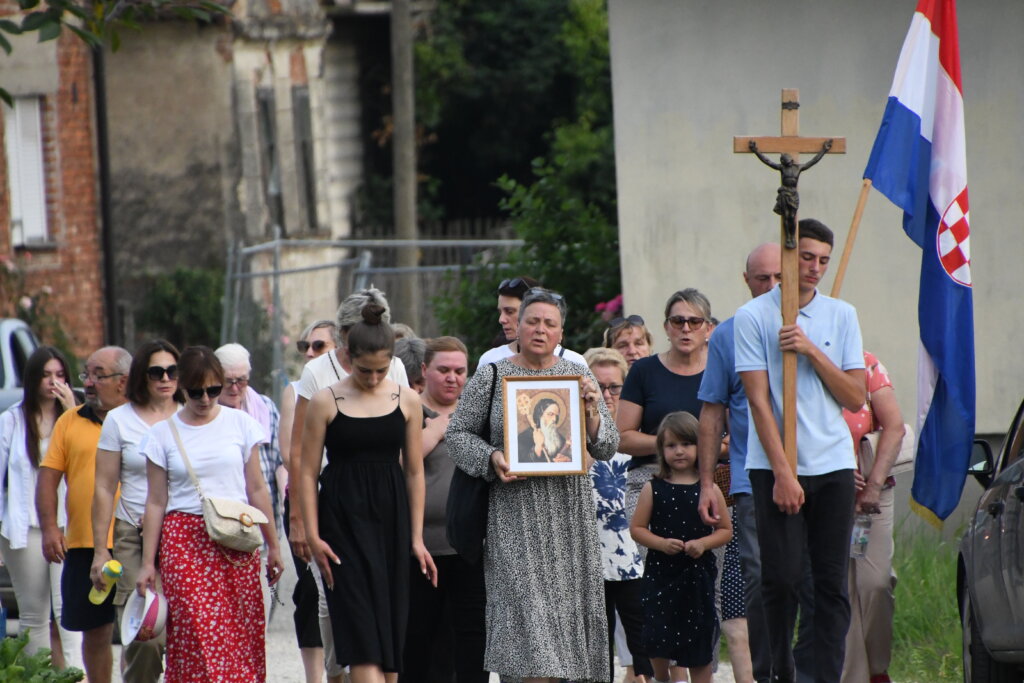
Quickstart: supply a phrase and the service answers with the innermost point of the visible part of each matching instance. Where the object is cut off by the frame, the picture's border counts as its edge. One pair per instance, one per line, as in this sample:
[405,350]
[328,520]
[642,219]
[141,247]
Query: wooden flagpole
[851,237]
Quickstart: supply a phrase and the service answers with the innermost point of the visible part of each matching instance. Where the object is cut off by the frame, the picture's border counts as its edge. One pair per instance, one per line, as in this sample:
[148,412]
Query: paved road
[283,663]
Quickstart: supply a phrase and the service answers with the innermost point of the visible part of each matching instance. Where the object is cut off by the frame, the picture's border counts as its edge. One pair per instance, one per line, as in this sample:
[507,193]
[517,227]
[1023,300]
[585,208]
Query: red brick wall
[73,267]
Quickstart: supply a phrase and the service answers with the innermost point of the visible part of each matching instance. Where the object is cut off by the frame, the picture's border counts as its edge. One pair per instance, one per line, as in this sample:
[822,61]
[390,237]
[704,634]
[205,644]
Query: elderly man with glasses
[71,456]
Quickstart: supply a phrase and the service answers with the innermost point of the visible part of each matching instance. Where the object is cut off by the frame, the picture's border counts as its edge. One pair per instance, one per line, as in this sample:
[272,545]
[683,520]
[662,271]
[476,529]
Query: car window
[1016,447]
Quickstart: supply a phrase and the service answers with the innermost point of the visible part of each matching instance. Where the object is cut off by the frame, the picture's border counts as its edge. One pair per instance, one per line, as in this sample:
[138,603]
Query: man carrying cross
[809,511]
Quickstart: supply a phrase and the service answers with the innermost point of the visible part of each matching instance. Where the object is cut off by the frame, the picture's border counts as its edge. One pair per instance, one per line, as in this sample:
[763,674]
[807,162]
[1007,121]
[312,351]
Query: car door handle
[995,509]
[1019,492]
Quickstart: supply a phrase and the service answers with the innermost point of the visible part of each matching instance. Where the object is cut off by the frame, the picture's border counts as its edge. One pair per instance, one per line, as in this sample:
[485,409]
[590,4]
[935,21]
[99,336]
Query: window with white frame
[23,138]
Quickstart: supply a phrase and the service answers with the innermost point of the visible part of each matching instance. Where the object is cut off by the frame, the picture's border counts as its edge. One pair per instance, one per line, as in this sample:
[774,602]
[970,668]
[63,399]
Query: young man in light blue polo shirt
[810,512]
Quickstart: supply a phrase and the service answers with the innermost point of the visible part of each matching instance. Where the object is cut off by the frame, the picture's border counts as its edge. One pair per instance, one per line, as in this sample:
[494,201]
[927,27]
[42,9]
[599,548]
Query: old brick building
[49,216]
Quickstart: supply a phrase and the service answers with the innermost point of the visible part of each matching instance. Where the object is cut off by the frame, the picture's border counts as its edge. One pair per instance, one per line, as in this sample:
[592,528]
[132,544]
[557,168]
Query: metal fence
[277,287]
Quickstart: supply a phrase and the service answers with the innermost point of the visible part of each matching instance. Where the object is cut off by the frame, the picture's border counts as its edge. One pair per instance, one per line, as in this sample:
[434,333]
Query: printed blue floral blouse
[619,556]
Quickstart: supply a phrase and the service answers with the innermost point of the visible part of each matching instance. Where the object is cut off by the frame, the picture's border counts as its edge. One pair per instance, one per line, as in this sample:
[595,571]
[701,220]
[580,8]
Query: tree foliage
[183,307]
[566,212]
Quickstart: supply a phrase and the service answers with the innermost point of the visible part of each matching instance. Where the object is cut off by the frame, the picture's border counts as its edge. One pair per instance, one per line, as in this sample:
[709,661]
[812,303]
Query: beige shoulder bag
[231,523]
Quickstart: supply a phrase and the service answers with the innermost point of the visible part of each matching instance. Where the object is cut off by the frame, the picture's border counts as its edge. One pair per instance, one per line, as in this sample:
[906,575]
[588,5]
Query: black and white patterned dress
[542,559]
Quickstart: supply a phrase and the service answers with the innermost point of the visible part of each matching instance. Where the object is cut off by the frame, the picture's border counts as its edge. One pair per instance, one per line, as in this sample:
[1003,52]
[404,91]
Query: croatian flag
[919,163]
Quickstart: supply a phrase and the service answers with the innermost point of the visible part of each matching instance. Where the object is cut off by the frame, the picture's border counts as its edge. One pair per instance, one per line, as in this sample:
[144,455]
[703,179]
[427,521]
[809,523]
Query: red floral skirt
[215,625]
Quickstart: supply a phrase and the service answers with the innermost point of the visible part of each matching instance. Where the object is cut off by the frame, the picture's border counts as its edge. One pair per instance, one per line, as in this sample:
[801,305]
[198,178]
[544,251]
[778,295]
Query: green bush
[16,666]
[183,307]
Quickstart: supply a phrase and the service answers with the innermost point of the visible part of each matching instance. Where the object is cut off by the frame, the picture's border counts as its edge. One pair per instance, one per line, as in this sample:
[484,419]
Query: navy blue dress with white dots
[678,591]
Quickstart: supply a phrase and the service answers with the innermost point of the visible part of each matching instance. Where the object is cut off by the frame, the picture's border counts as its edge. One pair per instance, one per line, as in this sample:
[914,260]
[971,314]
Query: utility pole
[406,301]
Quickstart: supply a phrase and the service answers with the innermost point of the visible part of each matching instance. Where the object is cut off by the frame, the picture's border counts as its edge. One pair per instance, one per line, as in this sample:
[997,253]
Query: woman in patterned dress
[215,626]
[542,560]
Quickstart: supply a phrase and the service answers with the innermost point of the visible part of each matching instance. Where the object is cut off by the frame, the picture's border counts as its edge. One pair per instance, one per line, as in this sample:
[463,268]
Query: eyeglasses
[156,373]
[317,345]
[632,320]
[613,389]
[96,377]
[554,296]
[679,321]
[197,394]
[242,382]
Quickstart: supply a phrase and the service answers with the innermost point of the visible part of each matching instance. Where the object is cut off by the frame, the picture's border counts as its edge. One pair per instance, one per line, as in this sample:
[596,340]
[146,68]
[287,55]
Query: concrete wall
[173,151]
[688,75]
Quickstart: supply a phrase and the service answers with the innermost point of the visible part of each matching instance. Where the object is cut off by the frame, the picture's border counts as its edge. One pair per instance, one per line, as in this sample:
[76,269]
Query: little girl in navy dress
[680,623]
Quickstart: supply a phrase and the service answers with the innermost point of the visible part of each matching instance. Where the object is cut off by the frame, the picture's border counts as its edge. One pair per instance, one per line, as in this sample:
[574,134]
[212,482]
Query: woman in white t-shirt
[215,620]
[153,396]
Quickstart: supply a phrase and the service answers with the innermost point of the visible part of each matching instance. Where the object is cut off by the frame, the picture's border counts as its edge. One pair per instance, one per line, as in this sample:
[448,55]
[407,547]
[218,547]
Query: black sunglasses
[511,283]
[156,373]
[197,394]
[318,346]
[632,320]
[677,321]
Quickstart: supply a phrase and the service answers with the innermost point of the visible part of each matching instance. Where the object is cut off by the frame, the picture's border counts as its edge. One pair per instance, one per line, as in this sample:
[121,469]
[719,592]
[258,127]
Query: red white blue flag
[919,163]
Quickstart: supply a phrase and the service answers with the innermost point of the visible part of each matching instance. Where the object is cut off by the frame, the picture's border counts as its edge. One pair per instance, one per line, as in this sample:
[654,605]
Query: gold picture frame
[545,432]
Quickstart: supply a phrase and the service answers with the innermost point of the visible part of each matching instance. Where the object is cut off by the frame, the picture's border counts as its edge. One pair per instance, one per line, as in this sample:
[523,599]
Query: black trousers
[625,597]
[305,597]
[447,631]
[821,530]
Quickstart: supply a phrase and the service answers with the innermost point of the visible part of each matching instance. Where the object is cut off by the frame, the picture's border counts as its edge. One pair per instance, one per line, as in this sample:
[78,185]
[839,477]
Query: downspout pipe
[112,331]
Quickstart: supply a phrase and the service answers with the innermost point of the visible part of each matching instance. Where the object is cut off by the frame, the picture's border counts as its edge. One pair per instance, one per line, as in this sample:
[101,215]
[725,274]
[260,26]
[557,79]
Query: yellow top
[72,451]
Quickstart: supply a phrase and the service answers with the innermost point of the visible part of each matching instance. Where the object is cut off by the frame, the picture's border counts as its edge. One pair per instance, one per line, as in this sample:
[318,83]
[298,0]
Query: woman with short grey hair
[542,559]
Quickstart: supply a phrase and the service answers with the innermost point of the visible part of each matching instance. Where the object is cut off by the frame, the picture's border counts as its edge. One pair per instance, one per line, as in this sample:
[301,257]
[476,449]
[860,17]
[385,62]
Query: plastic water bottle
[861,535]
[112,571]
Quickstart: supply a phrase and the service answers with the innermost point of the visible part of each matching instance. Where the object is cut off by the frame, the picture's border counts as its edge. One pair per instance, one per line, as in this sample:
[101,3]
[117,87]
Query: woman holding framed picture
[542,559]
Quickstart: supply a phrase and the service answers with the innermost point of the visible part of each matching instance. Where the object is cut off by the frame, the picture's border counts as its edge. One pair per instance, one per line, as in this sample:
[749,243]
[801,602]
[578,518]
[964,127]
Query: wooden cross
[789,143]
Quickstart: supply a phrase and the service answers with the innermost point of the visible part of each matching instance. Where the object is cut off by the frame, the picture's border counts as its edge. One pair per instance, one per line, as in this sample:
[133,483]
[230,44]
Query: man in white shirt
[510,298]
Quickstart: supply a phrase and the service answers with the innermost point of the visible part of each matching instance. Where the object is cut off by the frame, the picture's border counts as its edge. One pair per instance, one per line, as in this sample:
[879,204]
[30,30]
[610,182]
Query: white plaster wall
[688,75]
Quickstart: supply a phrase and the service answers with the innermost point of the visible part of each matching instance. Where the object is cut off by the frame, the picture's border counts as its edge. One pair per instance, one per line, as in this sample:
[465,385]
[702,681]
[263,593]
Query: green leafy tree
[566,213]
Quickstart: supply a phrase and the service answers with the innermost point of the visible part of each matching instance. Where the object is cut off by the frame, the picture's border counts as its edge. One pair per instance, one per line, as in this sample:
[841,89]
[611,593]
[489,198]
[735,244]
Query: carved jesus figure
[788,200]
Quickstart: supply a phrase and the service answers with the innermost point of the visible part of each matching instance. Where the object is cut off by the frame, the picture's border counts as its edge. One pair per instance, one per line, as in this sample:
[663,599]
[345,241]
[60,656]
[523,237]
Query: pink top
[863,421]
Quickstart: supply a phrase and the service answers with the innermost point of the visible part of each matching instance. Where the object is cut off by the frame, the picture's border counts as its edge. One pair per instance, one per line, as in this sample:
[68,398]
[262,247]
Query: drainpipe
[112,331]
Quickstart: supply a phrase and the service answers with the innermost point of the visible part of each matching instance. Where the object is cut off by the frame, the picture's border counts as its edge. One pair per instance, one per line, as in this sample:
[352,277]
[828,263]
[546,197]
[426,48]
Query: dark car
[990,572]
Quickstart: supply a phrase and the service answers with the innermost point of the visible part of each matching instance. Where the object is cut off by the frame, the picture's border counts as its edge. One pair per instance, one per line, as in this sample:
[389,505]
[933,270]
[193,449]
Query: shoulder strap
[561,351]
[184,457]
[490,403]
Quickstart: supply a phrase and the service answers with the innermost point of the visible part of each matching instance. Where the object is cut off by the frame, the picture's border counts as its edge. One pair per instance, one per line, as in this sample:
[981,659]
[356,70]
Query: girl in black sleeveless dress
[366,525]
[680,624]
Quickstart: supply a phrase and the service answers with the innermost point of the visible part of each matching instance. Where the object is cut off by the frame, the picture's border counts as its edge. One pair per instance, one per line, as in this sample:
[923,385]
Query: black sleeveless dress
[678,591]
[364,517]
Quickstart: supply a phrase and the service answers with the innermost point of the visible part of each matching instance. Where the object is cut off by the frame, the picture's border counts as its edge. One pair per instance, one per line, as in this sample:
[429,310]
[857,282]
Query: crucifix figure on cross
[787,202]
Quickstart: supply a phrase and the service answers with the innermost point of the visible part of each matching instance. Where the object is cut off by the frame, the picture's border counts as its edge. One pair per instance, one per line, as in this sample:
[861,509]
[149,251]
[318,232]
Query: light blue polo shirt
[823,439]
[721,384]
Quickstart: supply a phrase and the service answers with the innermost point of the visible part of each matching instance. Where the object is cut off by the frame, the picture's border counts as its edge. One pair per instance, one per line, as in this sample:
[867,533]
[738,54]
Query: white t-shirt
[123,432]
[502,352]
[325,370]
[217,450]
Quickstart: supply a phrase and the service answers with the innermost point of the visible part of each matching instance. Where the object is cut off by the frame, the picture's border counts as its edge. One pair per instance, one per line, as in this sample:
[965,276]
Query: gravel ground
[283,663]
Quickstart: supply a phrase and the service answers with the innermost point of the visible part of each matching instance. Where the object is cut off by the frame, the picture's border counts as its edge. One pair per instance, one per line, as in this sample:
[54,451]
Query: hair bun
[373,313]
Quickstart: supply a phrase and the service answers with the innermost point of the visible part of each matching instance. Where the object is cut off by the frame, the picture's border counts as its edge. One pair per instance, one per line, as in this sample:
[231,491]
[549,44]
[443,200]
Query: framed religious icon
[545,432]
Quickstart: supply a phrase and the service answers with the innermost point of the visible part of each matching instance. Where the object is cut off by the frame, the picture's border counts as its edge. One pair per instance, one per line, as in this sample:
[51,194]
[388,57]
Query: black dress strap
[336,398]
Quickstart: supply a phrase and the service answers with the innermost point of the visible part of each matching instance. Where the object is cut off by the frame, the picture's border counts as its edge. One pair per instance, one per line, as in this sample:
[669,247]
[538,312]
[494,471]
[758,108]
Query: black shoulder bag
[466,509]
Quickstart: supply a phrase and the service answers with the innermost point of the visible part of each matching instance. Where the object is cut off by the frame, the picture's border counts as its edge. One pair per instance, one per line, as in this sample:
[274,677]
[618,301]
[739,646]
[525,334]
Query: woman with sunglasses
[153,395]
[663,383]
[630,337]
[216,626]
[25,430]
